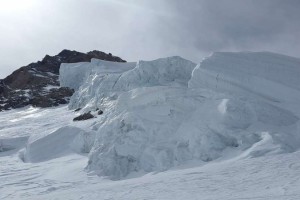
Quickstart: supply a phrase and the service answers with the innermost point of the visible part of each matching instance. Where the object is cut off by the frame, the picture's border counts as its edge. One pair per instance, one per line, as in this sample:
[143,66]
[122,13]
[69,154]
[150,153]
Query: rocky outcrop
[37,84]
[100,112]
[84,116]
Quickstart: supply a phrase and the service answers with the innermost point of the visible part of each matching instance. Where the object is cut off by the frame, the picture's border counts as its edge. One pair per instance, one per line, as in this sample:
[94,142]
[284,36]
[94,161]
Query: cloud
[226,25]
[142,29]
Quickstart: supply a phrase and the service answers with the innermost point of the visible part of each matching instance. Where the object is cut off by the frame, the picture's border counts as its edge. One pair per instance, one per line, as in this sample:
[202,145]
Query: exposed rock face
[84,116]
[100,112]
[37,84]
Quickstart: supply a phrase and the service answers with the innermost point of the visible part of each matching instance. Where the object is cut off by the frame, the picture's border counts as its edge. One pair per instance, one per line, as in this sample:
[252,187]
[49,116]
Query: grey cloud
[143,29]
[239,25]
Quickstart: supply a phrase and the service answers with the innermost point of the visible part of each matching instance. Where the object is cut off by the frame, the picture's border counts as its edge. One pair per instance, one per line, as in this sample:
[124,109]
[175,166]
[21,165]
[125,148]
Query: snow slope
[274,177]
[227,128]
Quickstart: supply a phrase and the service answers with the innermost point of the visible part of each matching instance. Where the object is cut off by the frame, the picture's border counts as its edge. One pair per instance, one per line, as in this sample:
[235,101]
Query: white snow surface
[271,177]
[227,128]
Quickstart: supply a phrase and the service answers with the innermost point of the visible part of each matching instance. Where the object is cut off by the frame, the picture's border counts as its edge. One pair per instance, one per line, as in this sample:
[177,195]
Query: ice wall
[73,75]
[173,71]
[263,74]
[165,113]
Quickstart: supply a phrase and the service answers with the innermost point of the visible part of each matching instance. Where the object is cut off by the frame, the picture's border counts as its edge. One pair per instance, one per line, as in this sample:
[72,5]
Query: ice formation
[169,112]
[73,75]
[59,143]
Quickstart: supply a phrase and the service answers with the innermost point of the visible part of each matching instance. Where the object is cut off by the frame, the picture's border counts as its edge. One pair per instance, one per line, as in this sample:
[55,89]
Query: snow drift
[59,143]
[167,112]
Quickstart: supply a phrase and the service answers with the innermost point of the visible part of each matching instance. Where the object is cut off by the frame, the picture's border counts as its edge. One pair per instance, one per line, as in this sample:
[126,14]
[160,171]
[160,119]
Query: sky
[145,29]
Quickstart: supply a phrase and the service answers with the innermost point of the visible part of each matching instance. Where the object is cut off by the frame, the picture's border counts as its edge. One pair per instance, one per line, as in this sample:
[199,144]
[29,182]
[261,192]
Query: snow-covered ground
[227,128]
[269,177]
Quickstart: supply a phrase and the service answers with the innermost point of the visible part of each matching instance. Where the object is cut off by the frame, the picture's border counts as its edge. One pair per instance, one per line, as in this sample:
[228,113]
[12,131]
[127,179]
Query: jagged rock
[100,112]
[84,116]
[31,84]
[78,109]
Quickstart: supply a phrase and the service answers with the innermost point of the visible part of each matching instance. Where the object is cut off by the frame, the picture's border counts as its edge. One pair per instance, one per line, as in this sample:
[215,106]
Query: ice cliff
[169,112]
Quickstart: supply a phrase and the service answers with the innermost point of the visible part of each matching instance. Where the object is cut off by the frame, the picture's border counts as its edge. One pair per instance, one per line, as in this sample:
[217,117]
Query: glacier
[73,75]
[227,127]
[170,111]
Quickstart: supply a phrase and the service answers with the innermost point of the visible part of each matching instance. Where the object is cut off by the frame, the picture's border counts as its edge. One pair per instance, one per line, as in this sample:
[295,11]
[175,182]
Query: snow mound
[166,112]
[73,75]
[59,143]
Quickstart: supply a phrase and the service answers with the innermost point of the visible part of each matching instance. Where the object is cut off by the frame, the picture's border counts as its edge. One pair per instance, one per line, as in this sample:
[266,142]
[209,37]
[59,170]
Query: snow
[270,178]
[51,74]
[33,122]
[40,75]
[66,140]
[227,128]
[173,71]
[49,87]
[27,93]
[164,113]
[266,75]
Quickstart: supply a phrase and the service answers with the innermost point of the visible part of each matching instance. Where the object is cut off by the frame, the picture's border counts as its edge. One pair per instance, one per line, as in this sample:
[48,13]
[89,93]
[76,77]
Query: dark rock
[78,109]
[54,97]
[27,85]
[100,112]
[84,116]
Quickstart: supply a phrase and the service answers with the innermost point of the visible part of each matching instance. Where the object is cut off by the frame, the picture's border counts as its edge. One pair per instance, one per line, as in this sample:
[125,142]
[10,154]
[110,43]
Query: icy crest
[271,76]
[73,75]
[118,77]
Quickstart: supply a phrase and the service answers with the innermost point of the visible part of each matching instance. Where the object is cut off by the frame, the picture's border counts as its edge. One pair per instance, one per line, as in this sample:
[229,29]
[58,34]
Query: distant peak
[67,52]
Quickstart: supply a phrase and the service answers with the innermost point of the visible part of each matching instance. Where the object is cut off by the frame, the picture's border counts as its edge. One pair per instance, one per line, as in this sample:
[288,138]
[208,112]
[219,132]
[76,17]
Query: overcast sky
[145,29]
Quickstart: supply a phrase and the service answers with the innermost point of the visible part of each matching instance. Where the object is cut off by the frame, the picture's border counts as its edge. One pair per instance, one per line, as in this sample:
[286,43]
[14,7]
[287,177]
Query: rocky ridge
[37,84]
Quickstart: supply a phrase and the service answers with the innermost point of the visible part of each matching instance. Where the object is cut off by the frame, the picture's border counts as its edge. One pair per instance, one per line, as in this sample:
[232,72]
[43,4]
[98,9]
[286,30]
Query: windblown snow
[170,113]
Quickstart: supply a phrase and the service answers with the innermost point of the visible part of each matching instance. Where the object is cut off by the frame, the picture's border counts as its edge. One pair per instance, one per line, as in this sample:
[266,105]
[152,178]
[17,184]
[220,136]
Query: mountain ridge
[37,83]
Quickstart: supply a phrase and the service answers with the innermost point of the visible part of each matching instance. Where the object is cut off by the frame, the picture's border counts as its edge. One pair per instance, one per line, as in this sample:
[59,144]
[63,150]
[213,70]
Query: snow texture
[273,177]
